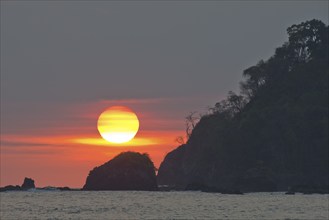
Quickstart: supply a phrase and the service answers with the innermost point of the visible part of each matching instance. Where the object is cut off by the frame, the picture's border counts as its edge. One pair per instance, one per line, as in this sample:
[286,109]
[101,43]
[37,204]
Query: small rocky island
[126,171]
[27,184]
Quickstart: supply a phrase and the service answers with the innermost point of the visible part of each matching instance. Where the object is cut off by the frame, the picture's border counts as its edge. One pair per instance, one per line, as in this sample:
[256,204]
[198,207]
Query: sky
[64,63]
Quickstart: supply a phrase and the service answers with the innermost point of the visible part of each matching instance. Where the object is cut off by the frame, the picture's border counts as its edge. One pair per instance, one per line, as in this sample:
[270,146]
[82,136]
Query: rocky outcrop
[171,174]
[28,184]
[126,171]
[10,188]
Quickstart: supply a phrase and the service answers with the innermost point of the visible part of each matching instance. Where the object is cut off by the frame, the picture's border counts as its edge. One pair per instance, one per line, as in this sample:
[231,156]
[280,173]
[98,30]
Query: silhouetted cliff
[272,136]
[126,171]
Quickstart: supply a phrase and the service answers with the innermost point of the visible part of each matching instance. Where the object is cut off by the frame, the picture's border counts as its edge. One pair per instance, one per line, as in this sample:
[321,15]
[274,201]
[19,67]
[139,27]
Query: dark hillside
[272,136]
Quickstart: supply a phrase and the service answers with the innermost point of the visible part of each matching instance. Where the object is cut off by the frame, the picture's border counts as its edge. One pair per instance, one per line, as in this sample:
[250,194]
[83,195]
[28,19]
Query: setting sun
[118,124]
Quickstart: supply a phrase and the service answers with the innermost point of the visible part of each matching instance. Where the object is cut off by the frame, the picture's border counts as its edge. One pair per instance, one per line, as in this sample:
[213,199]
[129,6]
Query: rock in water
[126,171]
[28,183]
[10,188]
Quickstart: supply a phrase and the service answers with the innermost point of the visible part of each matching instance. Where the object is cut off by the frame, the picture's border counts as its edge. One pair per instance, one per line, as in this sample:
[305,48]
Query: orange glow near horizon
[72,157]
[145,138]
[61,150]
[102,142]
[118,124]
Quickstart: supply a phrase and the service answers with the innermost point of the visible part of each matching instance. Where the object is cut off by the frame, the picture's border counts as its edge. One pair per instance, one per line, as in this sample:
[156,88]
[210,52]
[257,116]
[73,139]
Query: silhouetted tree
[255,78]
[306,39]
[190,121]
[230,106]
[180,140]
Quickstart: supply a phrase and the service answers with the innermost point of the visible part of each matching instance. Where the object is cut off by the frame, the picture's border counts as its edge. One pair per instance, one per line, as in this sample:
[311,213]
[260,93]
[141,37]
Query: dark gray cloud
[58,52]
[92,50]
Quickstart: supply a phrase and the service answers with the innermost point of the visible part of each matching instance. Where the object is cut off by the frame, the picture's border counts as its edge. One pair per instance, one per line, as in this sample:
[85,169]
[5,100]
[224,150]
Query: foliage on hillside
[274,134]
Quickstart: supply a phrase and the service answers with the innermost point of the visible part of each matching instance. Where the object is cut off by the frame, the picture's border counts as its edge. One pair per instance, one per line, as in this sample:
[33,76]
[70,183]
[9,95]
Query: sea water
[160,205]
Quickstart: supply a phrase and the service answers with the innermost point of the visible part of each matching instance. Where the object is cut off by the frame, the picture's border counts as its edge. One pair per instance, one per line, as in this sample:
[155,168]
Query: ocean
[41,204]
